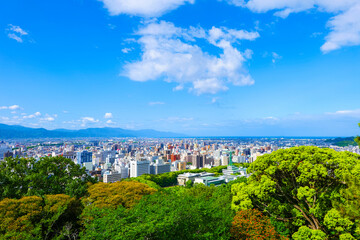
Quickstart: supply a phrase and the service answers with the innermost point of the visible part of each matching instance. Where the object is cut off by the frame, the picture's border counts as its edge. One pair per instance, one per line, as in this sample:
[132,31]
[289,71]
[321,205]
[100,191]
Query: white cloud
[29,116]
[126,50]
[3,107]
[156,103]
[344,26]
[49,119]
[350,113]
[17,29]
[15,37]
[275,57]
[108,115]
[89,120]
[14,107]
[146,8]
[109,122]
[16,32]
[37,114]
[171,53]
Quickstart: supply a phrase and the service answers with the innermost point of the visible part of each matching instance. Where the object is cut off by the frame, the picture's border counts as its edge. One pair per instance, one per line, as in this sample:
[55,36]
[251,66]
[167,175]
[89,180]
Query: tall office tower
[83,156]
[138,168]
[224,160]
[3,150]
[199,161]
[217,162]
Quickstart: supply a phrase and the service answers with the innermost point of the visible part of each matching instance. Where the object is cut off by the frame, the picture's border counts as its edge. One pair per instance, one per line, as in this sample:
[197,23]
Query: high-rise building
[159,167]
[224,160]
[181,165]
[83,156]
[8,154]
[3,150]
[138,168]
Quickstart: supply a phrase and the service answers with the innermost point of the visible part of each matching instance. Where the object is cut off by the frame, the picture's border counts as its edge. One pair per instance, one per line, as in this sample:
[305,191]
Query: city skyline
[207,68]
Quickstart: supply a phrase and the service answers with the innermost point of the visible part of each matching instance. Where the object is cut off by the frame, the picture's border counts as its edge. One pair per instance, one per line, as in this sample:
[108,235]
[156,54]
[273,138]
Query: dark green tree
[14,172]
[174,213]
[50,175]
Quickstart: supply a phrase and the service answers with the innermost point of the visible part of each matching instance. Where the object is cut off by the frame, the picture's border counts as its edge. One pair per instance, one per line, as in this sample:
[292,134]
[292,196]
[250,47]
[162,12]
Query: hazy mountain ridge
[16,131]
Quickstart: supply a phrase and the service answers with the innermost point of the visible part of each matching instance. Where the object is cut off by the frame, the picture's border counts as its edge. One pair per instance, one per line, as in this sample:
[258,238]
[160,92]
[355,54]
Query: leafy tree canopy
[175,213]
[38,218]
[50,175]
[113,195]
[299,186]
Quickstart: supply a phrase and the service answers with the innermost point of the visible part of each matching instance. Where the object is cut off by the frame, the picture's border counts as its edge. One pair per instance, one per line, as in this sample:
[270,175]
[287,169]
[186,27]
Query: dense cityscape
[112,160]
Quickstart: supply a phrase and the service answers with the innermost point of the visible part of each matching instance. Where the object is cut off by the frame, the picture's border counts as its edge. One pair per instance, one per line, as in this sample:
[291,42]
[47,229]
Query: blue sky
[199,67]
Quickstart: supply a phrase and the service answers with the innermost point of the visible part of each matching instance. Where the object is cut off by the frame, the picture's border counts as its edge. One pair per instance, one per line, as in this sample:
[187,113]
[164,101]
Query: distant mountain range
[16,131]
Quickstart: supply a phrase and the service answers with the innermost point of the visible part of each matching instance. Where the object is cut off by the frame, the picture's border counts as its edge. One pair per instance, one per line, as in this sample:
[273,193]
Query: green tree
[14,172]
[357,139]
[349,208]
[39,218]
[113,195]
[297,186]
[173,213]
[49,175]
[189,184]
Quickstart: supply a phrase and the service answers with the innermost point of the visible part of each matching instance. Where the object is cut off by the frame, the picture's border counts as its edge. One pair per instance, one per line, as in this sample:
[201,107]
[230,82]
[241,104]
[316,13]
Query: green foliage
[298,186]
[349,208]
[50,175]
[306,233]
[113,195]
[175,213]
[38,218]
[357,139]
[342,142]
[189,184]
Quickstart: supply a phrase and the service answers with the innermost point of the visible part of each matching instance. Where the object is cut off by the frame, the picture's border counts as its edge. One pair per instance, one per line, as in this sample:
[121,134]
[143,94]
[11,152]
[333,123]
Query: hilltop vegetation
[342,142]
[297,193]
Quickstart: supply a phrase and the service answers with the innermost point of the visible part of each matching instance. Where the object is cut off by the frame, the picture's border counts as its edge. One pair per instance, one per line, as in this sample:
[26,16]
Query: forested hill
[342,142]
[15,131]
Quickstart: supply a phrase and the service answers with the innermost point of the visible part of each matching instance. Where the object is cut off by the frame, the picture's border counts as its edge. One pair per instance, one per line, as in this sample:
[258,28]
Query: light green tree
[298,186]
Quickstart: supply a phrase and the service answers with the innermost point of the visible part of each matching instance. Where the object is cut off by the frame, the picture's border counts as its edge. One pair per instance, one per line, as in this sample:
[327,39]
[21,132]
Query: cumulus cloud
[108,115]
[16,33]
[145,8]
[172,53]
[37,114]
[344,26]
[14,107]
[89,120]
[48,119]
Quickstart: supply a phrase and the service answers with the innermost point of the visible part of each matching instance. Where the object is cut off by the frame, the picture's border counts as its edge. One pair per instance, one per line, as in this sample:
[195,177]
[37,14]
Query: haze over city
[195,67]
